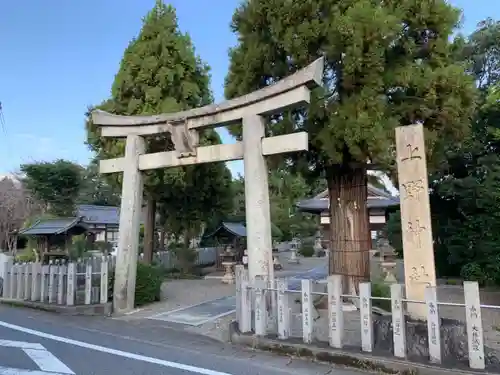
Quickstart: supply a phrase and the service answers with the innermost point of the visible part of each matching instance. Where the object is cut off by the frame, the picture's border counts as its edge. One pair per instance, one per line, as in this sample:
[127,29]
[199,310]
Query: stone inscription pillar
[130,219]
[415,216]
[258,215]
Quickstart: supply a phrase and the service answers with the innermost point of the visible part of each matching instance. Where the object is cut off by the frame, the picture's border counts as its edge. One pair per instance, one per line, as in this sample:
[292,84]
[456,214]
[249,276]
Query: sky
[57,57]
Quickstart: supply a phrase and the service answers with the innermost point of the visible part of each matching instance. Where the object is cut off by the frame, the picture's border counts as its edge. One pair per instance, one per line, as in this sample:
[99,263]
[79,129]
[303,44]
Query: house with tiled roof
[379,203]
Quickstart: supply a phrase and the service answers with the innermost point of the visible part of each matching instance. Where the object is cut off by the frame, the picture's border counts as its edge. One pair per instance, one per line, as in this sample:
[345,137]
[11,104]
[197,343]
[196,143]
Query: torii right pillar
[416,227]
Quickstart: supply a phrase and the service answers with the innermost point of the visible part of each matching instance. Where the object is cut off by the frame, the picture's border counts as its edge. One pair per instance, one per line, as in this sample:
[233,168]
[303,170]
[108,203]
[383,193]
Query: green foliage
[465,188]
[104,247]
[26,256]
[147,285]
[306,250]
[381,290]
[160,73]
[285,189]
[56,184]
[79,246]
[481,52]
[393,232]
[186,258]
[387,64]
[96,189]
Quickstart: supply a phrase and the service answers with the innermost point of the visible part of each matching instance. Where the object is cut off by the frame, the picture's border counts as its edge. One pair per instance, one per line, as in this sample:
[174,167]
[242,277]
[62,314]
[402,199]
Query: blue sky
[59,56]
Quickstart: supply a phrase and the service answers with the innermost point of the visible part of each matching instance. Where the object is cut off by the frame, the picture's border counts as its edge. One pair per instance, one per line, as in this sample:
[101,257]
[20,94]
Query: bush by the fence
[306,250]
[147,284]
[26,256]
[186,258]
[379,289]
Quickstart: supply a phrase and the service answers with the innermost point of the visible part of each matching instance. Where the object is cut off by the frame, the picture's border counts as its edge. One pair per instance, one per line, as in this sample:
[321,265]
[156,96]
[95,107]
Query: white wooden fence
[83,282]
[73,283]
[245,291]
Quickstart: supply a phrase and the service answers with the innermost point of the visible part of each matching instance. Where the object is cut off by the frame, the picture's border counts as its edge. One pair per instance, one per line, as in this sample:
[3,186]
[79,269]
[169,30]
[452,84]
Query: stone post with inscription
[415,216]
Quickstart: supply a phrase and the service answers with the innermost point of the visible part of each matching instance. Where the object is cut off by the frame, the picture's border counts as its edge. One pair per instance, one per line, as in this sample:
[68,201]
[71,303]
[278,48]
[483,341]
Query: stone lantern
[228,262]
[294,247]
[388,263]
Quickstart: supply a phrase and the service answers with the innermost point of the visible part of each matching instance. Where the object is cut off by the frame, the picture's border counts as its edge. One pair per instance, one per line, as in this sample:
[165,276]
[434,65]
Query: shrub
[78,247]
[186,257]
[147,284]
[306,250]
[26,256]
[379,289]
[103,246]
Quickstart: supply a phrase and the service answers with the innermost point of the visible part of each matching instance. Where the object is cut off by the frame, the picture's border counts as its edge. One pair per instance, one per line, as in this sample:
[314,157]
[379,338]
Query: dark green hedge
[147,285]
[306,250]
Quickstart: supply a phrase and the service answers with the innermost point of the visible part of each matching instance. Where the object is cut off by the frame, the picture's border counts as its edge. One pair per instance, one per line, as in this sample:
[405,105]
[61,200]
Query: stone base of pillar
[349,307]
[276,263]
[229,276]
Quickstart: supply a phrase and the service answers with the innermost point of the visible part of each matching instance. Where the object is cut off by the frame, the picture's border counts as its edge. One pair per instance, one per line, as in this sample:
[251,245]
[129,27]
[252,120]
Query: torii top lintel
[289,92]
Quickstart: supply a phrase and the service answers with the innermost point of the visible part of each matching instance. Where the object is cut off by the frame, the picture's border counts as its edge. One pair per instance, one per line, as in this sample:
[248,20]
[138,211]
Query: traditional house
[54,236]
[103,221]
[379,203]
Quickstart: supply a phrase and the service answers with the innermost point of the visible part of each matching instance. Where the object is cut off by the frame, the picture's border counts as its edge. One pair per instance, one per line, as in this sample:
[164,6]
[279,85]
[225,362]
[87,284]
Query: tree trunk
[149,230]
[349,226]
[187,238]
[163,234]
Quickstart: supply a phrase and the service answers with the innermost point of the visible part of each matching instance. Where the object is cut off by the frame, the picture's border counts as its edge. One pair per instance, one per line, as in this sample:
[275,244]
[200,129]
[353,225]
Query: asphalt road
[38,343]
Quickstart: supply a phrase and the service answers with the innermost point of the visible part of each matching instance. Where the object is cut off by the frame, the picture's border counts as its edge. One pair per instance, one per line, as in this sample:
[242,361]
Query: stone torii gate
[250,110]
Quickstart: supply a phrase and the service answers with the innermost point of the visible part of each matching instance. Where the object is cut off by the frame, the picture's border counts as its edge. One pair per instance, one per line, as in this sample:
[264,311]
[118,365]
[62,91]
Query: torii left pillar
[130,221]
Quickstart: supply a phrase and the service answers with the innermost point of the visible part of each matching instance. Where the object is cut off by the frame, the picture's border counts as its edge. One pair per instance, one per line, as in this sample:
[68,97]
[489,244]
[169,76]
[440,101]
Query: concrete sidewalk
[208,306]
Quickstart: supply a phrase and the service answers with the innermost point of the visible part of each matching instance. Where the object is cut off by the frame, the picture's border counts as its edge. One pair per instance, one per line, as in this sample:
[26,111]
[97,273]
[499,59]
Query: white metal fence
[167,259]
[255,320]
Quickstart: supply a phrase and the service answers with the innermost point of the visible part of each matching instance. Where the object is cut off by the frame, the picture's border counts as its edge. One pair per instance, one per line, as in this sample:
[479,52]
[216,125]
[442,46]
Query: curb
[103,309]
[340,358]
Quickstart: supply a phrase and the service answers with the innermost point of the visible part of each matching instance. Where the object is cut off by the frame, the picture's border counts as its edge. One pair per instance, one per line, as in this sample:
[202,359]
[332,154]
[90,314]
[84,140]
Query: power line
[2,120]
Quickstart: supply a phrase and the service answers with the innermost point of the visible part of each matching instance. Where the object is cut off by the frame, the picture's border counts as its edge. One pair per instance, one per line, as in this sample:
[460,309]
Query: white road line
[21,345]
[47,362]
[19,371]
[103,349]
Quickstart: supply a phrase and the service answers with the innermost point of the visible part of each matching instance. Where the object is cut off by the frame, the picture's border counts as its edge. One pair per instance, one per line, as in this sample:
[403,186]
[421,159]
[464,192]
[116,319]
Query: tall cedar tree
[160,73]
[387,64]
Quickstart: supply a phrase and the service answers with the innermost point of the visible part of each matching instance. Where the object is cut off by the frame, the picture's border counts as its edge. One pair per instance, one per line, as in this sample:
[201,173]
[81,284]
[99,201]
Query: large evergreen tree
[95,189]
[387,64]
[160,73]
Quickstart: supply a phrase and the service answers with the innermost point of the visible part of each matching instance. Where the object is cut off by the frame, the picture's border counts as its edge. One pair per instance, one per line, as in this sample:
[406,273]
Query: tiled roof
[93,214]
[239,229]
[377,198]
[53,226]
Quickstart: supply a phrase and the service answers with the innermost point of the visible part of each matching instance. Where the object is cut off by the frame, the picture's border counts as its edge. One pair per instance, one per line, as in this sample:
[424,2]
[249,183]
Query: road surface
[38,343]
